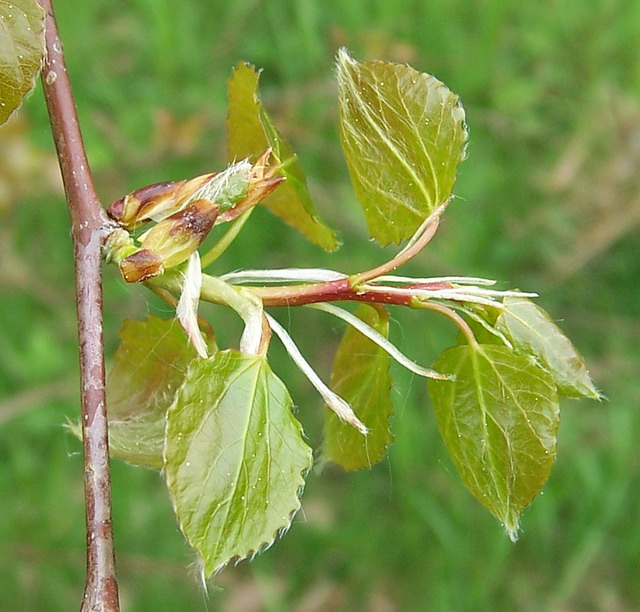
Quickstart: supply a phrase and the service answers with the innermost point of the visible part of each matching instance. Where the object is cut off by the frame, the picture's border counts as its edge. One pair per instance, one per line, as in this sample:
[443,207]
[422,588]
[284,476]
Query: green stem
[242,300]
[223,244]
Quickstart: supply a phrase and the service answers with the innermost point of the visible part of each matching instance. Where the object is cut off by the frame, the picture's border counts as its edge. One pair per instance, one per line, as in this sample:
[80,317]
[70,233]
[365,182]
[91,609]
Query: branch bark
[89,225]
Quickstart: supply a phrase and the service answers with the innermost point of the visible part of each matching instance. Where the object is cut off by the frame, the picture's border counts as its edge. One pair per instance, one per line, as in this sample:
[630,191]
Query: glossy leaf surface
[499,420]
[21,51]
[148,368]
[250,132]
[234,457]
[403,136]
[532,331]
[361,376]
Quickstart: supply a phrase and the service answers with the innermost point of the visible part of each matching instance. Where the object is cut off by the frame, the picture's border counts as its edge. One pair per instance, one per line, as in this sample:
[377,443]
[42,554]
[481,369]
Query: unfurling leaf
[499,420]
[532,332]
[251,131]
[149,366]
[21,52]
[234,457]
[403,136]
[361,376]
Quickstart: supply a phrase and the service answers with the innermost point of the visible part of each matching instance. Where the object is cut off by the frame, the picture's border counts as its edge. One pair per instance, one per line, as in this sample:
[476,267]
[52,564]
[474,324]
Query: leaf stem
[420,240]
[223,244]
[376,337]
[89,225]
[341,407]
[452,315]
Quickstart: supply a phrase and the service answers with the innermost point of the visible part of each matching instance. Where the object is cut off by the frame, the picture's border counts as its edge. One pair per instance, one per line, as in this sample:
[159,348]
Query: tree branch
[89,224]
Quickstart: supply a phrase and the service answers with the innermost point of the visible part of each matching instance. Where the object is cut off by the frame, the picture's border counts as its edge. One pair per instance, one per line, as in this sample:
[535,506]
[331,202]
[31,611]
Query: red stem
[338,291]
[331,291]
[88,228]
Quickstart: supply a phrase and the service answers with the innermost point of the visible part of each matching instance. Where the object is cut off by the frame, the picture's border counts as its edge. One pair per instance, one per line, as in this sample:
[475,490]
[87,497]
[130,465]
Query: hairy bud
[261,182]
[184,213]
[234,190]
[155,202]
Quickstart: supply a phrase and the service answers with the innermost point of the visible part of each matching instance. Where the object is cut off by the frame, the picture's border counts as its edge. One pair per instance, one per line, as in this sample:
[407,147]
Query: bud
[225,188]
[184,212]
[261,182]
[170,242]
[154,202]
[141,265]
[234,190]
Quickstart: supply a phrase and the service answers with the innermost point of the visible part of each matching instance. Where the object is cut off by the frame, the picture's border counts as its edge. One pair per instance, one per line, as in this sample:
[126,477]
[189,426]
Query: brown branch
[88,227]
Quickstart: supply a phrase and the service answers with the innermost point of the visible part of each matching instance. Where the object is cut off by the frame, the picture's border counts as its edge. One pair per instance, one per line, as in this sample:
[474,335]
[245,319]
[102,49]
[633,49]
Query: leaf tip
[74,427]
[343,58]
[512,529]
[345,413]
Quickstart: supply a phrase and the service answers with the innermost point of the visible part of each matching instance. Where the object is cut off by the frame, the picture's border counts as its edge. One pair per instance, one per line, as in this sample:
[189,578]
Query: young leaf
[234,457]
[21,52]
[149,366]
[403,136]
[532,332]
[250,131]
[499,420]
[361,376]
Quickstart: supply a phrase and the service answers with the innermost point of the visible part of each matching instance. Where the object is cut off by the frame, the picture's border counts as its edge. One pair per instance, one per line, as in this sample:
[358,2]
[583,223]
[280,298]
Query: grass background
[549,200]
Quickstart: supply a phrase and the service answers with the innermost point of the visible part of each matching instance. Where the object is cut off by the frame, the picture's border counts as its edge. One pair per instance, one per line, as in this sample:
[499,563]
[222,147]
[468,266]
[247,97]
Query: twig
[88,226]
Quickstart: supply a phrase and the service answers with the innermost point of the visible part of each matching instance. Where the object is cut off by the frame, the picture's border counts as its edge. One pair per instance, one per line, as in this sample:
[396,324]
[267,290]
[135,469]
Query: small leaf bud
[170,242]
[141,265]
[139,206]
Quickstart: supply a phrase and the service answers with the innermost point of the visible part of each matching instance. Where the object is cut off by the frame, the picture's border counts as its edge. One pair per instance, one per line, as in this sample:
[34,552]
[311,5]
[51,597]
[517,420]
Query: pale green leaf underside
[531,331]
[234,458]
[21,51]
[148,368]
[499,420]
[250,132]
[403,136]
[361,376]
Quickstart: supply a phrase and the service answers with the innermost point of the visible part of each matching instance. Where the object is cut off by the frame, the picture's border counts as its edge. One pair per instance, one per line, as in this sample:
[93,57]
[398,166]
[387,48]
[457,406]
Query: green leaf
[149,366]
[532,331]
[234,457]
[499,420]
[481,319]
[21,51]
[250,132]
[361,376]
[403,136]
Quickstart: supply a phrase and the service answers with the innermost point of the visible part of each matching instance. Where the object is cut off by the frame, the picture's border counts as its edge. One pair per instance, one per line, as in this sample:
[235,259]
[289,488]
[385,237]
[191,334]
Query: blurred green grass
[548,200]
